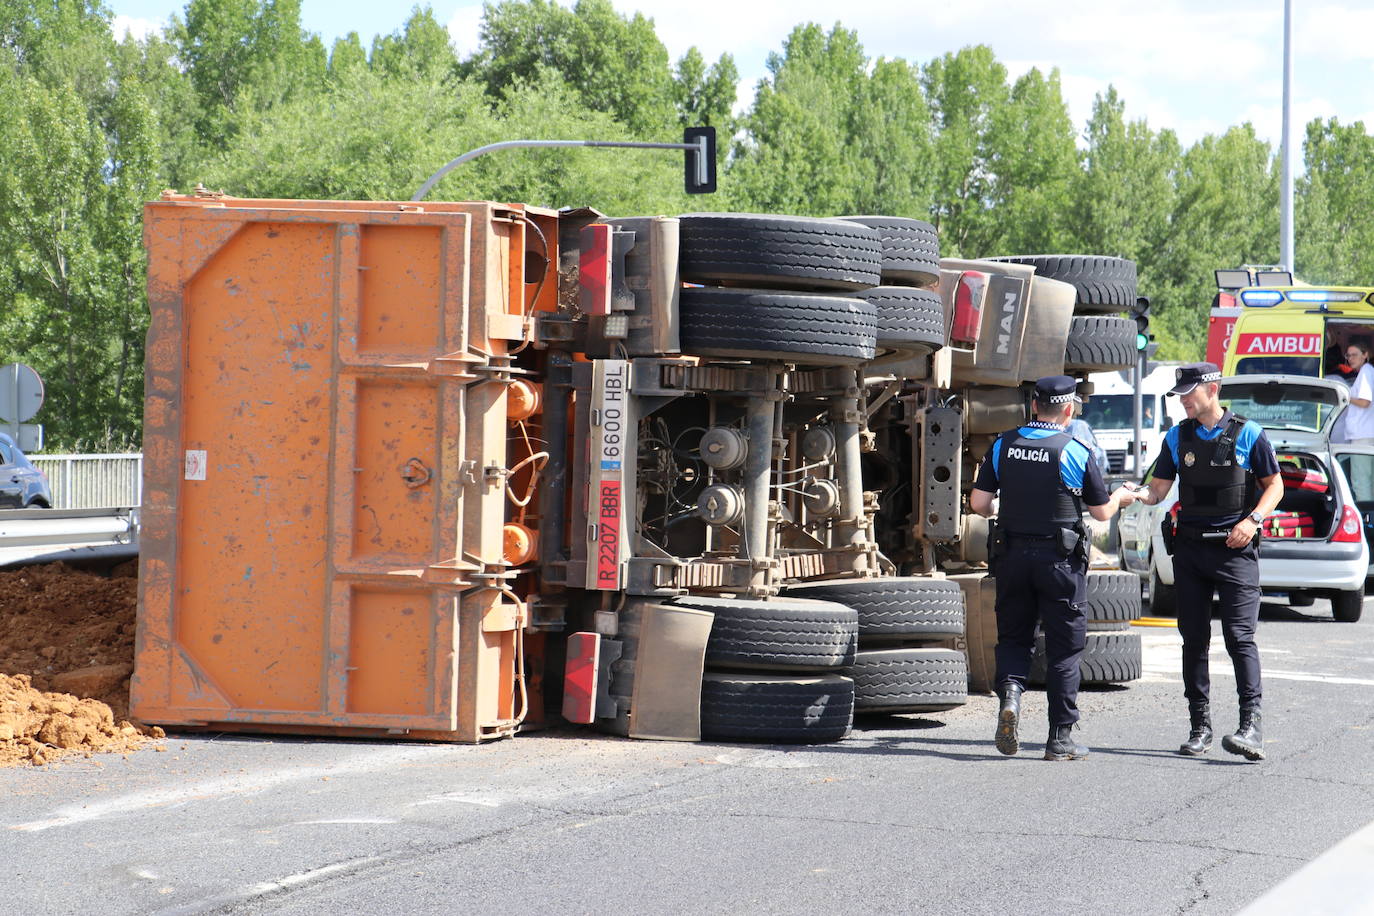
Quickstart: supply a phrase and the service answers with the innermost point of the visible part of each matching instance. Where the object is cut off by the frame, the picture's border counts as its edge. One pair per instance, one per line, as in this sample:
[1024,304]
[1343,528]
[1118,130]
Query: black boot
[1008,717]
[1061,745]
[1247,741]
[1200,734]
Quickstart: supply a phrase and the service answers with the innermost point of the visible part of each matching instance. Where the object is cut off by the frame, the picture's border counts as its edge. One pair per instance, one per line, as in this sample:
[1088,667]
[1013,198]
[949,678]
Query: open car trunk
[1309,507]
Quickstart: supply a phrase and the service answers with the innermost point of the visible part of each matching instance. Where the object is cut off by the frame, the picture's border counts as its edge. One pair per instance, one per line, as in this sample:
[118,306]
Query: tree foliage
[236,94]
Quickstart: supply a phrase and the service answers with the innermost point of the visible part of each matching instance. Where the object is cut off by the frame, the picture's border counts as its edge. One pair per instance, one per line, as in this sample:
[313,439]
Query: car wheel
[1163,598]
[1346,607]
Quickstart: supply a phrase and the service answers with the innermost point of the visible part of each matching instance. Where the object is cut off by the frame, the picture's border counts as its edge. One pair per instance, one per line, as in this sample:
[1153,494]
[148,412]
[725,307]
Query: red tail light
[1351,528]
[594,269]
[969,293]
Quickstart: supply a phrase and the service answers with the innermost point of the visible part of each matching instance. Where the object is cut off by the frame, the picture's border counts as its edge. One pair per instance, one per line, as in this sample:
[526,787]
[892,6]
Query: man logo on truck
[1008,316]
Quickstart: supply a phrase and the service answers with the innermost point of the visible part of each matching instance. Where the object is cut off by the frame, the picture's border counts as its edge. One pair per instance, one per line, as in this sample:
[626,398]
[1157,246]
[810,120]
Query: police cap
[1056,389]
[1188,377]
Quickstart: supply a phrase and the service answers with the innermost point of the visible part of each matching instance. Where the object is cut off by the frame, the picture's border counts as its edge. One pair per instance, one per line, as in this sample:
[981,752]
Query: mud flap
[980,627]
[672,657]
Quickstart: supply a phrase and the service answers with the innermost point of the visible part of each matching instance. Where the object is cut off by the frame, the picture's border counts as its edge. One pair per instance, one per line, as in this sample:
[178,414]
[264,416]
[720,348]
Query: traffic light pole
[1137,459]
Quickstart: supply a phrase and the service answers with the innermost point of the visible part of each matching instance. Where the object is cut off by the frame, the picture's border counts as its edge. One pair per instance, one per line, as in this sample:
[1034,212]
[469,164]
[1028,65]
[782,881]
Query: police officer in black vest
[1039,555]
[1228,481]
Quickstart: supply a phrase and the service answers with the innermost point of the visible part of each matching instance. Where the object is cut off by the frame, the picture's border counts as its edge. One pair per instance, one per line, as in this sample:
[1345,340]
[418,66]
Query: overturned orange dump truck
[447,470]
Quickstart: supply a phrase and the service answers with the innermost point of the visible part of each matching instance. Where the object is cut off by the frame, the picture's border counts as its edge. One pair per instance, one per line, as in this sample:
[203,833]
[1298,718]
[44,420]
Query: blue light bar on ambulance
[1324,295]
[1262,298]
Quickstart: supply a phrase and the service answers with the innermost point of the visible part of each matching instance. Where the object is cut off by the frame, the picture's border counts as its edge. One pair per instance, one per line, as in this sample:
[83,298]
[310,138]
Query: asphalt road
[909,814]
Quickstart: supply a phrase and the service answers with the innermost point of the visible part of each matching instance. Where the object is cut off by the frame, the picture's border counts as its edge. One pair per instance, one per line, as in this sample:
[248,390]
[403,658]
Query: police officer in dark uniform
[1039,555]
[1228,481]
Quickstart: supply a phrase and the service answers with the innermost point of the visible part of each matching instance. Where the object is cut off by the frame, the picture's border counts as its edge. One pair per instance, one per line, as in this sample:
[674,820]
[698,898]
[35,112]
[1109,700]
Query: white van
[1109,410]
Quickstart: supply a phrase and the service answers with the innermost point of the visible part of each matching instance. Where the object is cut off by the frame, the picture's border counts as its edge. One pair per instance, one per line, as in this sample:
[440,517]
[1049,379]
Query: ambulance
[1262,322]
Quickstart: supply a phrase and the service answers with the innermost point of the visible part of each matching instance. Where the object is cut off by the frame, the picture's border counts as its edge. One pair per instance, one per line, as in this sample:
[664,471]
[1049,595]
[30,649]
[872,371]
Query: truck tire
[760,707]
[1346,607]
[1104,284]
[1113,599]
[909,680]
[894,610]
[783,252]
[908,318]
[780,635]
[1098,343]
[911,248]
[788,327]
[1108,658]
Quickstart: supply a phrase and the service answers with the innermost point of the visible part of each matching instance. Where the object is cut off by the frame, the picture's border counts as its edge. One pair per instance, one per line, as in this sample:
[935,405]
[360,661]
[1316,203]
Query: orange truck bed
[324,474]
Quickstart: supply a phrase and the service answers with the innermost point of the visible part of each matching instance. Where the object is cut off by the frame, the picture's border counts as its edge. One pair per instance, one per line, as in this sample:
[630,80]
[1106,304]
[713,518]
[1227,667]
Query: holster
[997,542]
[1071,541]
[1169,532]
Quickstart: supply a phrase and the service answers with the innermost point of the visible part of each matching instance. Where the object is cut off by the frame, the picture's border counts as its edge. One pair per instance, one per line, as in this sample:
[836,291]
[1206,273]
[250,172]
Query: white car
[1321,548]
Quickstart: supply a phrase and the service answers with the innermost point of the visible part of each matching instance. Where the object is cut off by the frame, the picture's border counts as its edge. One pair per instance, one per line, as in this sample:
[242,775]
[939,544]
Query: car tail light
[1351,527]
[969,293]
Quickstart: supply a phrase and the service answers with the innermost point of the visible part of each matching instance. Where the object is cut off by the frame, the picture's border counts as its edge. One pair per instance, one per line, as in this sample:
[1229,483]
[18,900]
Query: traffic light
[1142,323]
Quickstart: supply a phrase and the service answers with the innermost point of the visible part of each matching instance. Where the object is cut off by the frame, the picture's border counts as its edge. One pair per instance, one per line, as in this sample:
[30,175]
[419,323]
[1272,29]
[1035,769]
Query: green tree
[151,64]
[616,64]
[966,90]
[1335,241]
[892,142]
[245,54]
[346,54]
[705,95]
[1225,214]
[373,152]
[1126,194]
[1033,164]
[421,48]
[798,153]
[73,276]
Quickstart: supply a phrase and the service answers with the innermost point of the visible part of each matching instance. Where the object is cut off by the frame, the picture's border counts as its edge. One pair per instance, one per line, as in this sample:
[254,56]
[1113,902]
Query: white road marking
[305,877]
[239,785]
[1337,881]
[1160,661]
[465,798]
[346,820]
[771,760]
[1315,677]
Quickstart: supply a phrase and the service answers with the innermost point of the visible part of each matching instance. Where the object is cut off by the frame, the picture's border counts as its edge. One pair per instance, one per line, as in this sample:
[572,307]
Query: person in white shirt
[1359,418]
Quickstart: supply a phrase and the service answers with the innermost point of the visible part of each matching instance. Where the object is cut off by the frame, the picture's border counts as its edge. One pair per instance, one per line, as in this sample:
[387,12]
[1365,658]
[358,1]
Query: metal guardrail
[71,535]
[92,481]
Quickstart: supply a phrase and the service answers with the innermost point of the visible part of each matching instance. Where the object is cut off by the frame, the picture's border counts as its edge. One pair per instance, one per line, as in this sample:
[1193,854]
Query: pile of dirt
[66,653]
[36,727]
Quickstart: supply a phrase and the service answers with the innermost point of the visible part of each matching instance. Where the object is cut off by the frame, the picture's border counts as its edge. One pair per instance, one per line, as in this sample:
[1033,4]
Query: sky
[1195,67]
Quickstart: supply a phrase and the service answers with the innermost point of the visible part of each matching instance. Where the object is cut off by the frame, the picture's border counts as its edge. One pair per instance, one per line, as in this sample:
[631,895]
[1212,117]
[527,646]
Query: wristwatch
[1257,518]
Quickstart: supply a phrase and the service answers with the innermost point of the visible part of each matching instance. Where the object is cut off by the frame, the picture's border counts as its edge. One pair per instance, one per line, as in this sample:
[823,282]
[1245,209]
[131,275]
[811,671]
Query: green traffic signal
[1141,341]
